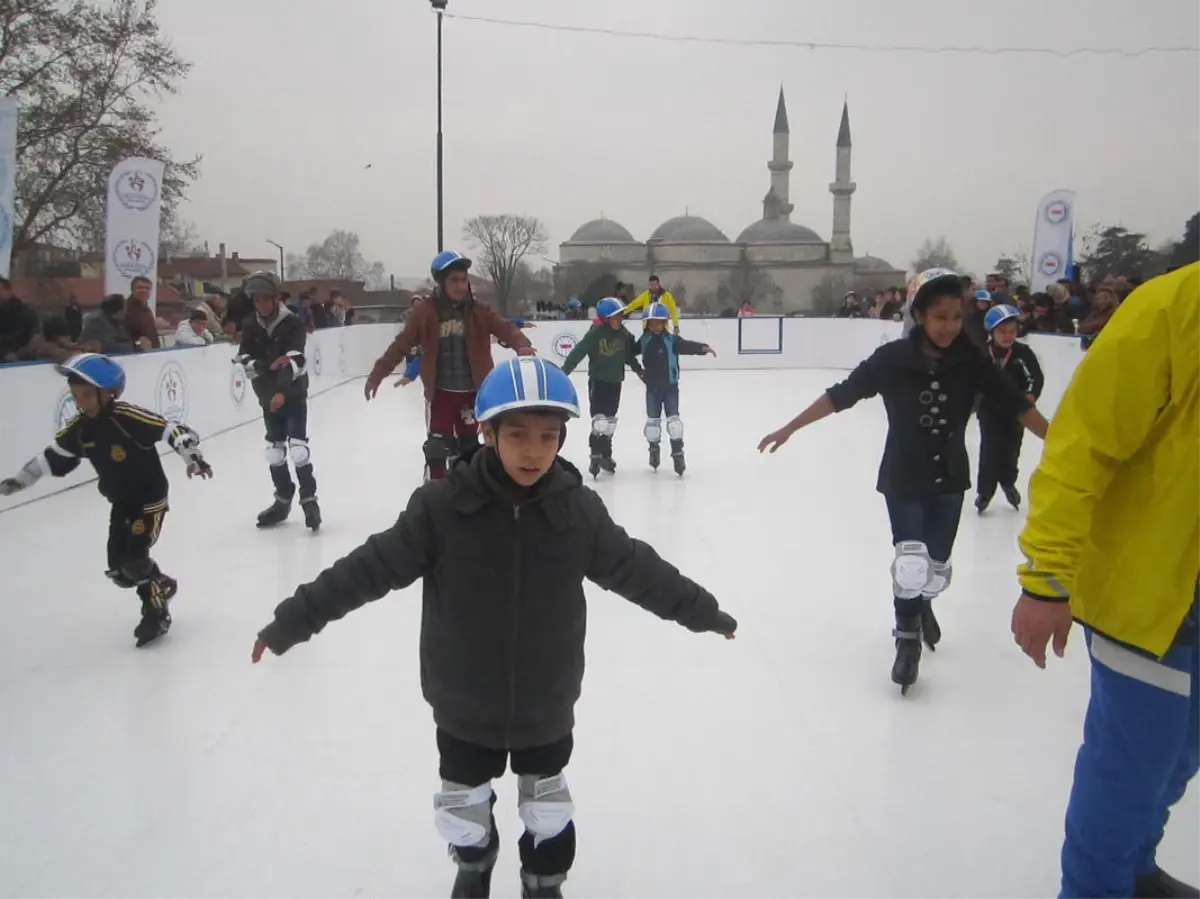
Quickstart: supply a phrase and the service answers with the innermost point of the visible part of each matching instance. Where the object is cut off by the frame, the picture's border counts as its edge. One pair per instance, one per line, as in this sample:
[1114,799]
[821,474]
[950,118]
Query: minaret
[780,168]
[840,247]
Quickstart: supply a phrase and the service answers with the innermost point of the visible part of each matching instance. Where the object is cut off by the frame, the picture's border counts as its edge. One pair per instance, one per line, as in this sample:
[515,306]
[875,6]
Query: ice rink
[784,763]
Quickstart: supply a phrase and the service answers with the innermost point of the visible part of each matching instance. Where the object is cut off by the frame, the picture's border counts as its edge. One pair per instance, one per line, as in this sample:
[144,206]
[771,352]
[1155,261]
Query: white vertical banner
[8,180]
[1052,234]
[131,229]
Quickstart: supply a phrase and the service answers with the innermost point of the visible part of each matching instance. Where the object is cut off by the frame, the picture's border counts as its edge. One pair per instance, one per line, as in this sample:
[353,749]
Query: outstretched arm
[58,459]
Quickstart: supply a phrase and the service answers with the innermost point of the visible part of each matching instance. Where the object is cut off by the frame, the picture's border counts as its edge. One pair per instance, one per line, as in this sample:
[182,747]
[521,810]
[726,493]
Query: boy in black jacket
[1000,435]
[121,441]
[503,544]
[272,352]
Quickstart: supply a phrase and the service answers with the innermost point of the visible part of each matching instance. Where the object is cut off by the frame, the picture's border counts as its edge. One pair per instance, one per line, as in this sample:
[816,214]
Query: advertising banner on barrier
[131,230]
[8,180]
[1052,236]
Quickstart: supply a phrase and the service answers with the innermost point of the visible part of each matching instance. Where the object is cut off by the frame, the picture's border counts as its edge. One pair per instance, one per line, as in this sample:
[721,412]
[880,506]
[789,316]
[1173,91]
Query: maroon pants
[450,415]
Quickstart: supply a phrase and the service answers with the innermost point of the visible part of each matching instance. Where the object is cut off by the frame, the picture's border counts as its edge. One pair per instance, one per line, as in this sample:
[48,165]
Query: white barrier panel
[198,385]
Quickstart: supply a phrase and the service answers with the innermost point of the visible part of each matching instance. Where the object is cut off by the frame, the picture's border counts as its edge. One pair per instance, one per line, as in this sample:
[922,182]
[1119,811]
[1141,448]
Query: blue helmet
[574,303]
[95,369]
[609,306]
[982,296]
[527,382]
[448,260]
[997,315]
[658,312]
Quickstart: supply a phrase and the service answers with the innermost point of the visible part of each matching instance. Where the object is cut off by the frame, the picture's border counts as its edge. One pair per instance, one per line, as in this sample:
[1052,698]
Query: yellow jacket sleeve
[641,301]
[1105,416]
[672,307]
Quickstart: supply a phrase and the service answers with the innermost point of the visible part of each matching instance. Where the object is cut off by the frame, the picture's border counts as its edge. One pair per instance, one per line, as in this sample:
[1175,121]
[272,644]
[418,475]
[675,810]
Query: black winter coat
[928,402]
[504,614]
[265,342]
[1020,364]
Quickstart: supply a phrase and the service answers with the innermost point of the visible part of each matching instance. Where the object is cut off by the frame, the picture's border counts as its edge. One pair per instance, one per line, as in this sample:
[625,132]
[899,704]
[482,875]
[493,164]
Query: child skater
[1000,434]
[660,351]
[928,381]
[121,442]
[608,348]
[504,545]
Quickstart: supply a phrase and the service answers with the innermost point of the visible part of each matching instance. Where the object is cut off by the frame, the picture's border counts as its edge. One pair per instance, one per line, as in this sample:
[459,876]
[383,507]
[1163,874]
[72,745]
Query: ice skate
[931,631]
[535,887]
[1158,884]
[156,621]
[908,651]
[274,514]
[1013,496]
[981,503]
[312,513]
[654,456]
[594,465]
[472,883]
[607,464]
[677,457]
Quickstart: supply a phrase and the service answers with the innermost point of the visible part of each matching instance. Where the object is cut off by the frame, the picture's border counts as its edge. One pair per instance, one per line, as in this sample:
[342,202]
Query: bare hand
[144,343]
[280,363]
[370,389]
[774,440]
[526,351]
[256,655]
[709,351]
[403,382]
[1035,621]
[277,402]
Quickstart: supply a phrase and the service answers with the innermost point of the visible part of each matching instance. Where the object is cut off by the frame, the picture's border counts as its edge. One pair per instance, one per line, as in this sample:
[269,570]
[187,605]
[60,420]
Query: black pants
[604,398]
[132,532]
[287,432]
[468,763]
[1000,438]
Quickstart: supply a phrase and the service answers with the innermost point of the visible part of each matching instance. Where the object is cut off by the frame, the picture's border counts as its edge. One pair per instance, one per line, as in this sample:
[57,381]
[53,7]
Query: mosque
[782,267]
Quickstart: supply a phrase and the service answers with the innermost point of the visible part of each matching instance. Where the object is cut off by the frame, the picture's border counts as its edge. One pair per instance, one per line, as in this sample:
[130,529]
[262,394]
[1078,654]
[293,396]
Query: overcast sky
[290,99]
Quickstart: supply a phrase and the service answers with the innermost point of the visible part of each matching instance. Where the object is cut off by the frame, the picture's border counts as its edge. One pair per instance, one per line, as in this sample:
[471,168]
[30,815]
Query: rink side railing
[203,386]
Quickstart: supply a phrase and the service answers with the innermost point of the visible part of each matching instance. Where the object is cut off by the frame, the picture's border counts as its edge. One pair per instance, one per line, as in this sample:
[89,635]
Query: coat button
[935,430]
[937,480]
[935,385]
[937,458]
[942,397]
[934,410]
[941,421]
[926,421]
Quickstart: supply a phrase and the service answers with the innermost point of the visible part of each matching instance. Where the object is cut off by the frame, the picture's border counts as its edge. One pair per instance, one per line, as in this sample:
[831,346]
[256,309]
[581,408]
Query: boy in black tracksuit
[272,351]
[1000,435]
[121,441]
[503,552]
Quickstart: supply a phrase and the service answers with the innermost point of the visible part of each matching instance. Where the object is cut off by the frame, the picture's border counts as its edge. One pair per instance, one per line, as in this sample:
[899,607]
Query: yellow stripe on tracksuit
[138,414]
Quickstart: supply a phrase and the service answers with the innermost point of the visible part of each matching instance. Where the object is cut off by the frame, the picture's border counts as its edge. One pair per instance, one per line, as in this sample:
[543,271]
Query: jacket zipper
[512,675]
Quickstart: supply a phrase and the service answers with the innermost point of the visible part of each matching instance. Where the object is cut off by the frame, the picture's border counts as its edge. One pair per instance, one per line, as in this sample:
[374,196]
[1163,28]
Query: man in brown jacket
[453,331]
[139,320]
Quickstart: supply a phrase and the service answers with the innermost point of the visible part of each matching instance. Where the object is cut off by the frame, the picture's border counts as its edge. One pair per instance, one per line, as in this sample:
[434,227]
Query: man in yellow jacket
[655,294]
[1113,542]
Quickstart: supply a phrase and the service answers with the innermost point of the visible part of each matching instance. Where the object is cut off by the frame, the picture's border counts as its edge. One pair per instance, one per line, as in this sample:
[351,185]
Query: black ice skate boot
[1158,884]
[654,456]
[312,513]
[276,513]
[931,631]
[604,444]
[535,886]
[156,615]
[475,864]
[981,503]
[908,646]
[1013,496]
[677,456]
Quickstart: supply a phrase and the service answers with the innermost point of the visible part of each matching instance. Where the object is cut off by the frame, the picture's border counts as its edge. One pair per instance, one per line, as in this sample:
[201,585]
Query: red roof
[50,293]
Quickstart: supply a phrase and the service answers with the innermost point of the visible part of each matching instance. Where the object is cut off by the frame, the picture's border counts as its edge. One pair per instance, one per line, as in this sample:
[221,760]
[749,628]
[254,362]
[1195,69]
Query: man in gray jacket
[107,328]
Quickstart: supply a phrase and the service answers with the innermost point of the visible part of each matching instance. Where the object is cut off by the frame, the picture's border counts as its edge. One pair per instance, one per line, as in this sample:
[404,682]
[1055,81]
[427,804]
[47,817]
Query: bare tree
[587,281]
[1017,266]
[337,258]
[935,254]
[503,241]
[533,285]
[746,282]
[179,237]
[87,75]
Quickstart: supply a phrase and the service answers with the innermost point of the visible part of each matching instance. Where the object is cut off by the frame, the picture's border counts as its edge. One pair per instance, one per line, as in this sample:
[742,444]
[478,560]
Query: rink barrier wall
[199,385]
[203,387]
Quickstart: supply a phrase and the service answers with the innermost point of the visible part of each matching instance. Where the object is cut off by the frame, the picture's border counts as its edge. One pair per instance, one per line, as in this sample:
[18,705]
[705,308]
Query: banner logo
[172,393]
[133,258]
[1057,212]
[1050,264]
[237,383]
[136,190]
[342,354]
[564,343]
[317,361]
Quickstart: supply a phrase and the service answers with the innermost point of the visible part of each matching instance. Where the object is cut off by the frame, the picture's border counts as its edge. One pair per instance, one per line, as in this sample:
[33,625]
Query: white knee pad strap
[276,454]
[910,569]
[675,427]
[463,814]
[545,805]
[939,578]
[603,425]
[653,430]
[299,451]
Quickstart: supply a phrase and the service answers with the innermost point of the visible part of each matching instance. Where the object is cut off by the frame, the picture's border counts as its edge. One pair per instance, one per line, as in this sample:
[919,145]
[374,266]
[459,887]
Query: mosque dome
[601,231]
[688,229]
[778,231]
[873,264]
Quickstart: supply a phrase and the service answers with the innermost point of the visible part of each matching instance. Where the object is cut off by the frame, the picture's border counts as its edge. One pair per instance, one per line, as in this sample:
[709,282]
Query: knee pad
[675,427]
[299,451]
[910,569]
[463,814]
[139,570]
[653,430]
[436,448]
[276,453]
[603,425]
[939,578]
[544,804]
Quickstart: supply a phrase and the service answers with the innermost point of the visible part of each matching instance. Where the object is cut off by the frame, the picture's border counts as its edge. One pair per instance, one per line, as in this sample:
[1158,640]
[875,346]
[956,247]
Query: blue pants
[933,520]
[662,399]
[1141,747]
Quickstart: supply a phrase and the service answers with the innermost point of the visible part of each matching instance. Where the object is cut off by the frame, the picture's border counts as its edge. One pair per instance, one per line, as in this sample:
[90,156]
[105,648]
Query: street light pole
[282,273]
[439,6]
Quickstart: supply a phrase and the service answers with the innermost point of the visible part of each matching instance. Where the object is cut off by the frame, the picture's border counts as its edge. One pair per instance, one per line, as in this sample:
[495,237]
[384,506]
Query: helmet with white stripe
[95,369]
[526,383]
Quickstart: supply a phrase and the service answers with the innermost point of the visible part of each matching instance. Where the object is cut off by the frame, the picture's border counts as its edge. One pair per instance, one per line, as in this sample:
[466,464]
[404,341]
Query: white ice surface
[784,763]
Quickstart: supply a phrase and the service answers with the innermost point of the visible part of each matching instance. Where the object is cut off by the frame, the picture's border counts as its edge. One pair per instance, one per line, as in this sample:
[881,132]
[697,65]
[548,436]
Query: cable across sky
[825,45]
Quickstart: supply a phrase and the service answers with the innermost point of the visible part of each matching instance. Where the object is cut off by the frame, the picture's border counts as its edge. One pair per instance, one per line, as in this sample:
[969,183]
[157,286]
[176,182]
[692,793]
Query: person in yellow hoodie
[1113,541]
[655,294]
